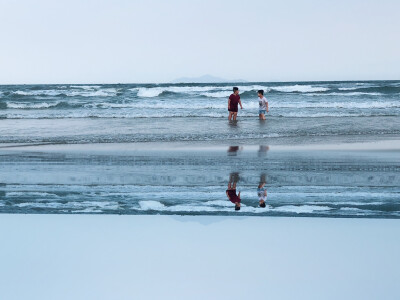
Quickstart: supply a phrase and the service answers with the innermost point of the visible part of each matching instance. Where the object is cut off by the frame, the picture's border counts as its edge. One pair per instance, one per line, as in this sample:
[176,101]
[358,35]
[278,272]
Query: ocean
[169,149]
[299,112]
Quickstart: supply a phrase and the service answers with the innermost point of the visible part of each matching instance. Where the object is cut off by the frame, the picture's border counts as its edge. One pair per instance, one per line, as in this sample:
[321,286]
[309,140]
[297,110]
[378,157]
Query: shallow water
[298,183]
[300,112]
[151,180]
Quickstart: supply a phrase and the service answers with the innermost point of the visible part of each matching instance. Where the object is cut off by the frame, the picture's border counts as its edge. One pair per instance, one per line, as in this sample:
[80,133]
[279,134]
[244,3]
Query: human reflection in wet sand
[262,191]
[231,191]
[233,150]
[262,151]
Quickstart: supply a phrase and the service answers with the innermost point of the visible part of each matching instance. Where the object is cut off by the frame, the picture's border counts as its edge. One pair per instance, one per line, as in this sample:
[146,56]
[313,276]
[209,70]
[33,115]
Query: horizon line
[222,82]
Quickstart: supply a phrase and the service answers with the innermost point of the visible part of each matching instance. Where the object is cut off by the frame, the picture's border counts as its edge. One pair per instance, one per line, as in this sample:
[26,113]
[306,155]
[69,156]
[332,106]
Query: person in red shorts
[231,191]
[233,101]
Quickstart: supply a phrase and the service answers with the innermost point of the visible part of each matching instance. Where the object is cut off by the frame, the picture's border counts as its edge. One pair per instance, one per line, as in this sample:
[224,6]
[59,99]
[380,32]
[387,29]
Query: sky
[136,41]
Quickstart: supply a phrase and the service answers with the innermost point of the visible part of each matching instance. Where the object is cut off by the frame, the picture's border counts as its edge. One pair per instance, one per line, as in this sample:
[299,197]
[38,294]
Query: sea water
[164,181]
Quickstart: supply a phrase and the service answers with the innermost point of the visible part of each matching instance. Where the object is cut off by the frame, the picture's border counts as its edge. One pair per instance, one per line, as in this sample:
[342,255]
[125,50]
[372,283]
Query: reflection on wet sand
[234,177]
[233,150]
[356,184]
[262,151]
[231,191]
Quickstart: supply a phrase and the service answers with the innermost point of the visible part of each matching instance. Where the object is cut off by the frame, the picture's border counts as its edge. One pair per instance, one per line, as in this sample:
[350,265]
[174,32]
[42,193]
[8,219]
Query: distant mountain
[204,79]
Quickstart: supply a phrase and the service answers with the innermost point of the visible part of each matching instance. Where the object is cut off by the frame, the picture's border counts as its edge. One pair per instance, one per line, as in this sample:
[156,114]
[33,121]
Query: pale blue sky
[157,41]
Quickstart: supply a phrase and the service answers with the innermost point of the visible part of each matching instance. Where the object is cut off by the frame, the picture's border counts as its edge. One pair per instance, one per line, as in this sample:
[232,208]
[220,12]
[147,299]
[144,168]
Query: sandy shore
[130,148]
[172,257]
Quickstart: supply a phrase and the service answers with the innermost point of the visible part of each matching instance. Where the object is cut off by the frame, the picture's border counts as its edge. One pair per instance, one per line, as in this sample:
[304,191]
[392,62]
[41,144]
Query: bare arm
[229,103]
[267,107]
[240,102]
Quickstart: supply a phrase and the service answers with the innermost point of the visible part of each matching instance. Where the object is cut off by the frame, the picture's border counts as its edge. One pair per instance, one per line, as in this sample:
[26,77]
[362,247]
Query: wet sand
[331,180]
[381,145]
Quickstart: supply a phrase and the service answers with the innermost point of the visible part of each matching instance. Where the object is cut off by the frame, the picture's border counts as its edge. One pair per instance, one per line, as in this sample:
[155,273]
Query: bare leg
[234,116]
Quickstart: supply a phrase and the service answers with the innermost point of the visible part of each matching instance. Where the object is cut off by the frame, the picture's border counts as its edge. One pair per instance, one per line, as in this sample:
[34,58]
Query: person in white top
[262,105]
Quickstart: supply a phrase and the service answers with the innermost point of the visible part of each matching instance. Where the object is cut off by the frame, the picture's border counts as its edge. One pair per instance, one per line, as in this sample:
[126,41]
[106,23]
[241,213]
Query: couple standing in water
[234,101]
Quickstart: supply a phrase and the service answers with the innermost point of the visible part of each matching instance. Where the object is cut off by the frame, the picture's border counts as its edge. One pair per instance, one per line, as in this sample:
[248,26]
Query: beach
[314,180]
[120,192]
[199,150]
[197,257]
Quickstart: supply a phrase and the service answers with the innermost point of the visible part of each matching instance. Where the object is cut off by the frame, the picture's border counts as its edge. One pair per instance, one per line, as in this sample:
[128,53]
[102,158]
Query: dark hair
[237,207]
[262,204]
[261,92]
[235,88]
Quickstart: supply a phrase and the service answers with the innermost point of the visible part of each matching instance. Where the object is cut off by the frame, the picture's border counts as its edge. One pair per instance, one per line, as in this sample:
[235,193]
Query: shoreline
[381,145]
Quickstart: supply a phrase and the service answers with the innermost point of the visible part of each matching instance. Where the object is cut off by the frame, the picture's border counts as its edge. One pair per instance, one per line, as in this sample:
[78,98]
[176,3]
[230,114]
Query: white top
[261,193]
[262,103]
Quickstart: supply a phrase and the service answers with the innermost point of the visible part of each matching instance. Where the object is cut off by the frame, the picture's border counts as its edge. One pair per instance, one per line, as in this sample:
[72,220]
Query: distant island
[205,79]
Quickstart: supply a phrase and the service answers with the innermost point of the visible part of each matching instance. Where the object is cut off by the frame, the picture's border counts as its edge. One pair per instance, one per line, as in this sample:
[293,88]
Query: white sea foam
[351,209]
[88,210]
[156,91]
[363,86]
[349,105]
[299,88]
[70,93]
[182,89]
[356,94]
[29,193]
[301,208]
[348,88]
[324,115]
[86,87]
[221,94]
[151,205]
[26,105]
[97,205]
[252,104]
[226,206]
[211,206]
[150,92]
[100,93]
[40,204]
[346,94]
[249,106]
[353,202]
[39,92]
[208,91]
